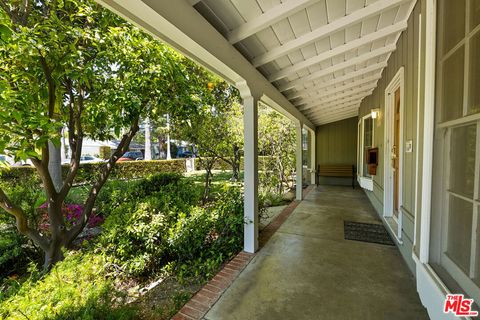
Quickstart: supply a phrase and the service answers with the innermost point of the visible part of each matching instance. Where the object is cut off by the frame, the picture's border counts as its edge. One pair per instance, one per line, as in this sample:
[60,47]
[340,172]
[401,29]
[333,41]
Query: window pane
[474,13]
[462,160]
[474,75]
[453,23]
[367,143]
[452,107]
[459,232]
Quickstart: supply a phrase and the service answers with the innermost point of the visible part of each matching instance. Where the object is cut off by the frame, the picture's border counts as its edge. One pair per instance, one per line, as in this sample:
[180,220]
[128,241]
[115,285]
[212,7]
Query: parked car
[90,159]
[131,156]
[184,154]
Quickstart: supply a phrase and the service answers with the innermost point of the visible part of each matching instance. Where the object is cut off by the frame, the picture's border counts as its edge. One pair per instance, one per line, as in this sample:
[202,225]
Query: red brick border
[204,299]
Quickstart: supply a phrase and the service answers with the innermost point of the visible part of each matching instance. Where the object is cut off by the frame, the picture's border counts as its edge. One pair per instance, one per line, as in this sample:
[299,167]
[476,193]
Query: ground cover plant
[154,228]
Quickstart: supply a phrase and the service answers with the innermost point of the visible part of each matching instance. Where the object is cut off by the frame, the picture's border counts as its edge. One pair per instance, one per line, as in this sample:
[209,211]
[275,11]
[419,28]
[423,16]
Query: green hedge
[88,171]
[222,165]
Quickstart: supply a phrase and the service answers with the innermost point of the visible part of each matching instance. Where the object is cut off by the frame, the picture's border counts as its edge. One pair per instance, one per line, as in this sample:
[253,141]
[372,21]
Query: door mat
[367,232]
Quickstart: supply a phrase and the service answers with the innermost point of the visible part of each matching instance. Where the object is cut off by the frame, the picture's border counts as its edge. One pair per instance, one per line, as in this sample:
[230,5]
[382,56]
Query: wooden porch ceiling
[323,55]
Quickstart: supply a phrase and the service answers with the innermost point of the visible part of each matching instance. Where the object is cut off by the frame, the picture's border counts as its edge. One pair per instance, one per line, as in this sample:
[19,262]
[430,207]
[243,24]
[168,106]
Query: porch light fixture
[374,113]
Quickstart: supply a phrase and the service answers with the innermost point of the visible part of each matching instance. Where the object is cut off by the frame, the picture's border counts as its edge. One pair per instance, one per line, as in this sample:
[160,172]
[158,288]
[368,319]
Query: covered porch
[307,270]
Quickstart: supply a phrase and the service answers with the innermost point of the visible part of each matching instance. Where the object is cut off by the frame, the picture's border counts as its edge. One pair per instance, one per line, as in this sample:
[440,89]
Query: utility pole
[169,156]
[148,140]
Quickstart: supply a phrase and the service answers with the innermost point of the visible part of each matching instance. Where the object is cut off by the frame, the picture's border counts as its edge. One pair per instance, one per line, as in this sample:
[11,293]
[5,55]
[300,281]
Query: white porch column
[313,152]
[250,119]
[299,162]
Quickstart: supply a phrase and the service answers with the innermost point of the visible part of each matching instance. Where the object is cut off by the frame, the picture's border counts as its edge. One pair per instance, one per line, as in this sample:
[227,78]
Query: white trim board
[397,82]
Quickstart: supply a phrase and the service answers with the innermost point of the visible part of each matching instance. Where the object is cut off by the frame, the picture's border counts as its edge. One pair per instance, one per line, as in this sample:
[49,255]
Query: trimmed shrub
[88,171]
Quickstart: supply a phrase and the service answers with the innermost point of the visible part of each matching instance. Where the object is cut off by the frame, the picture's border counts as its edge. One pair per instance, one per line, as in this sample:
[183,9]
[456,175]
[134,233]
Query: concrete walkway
[308,271]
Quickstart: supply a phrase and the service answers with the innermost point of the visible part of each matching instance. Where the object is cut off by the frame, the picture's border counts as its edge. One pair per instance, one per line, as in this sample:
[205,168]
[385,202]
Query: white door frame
[398,81]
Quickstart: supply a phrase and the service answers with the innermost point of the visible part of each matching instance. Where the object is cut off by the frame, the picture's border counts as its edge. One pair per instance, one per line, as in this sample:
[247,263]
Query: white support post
[250,118]
[313,151]
[299,162]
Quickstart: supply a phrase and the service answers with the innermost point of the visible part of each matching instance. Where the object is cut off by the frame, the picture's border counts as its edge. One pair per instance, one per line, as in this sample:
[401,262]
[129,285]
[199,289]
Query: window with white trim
[455,234]
[365,142]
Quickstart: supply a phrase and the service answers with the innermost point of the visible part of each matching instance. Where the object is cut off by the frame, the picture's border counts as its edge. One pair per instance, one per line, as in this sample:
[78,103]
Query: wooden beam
[337,96]
[349,46]
[326,93]
[346,64]
[316,111]
[345,77]
[320,116]
[357,96]
[327,30]
[336,117]
[268,18]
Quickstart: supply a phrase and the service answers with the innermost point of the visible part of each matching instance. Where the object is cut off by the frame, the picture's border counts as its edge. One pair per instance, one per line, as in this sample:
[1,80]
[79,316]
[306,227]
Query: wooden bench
[337,170]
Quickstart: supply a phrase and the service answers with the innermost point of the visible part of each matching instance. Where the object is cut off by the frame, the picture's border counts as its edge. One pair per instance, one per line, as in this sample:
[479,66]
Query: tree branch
[51,85]
[106,170]
[75,137]
[21,221]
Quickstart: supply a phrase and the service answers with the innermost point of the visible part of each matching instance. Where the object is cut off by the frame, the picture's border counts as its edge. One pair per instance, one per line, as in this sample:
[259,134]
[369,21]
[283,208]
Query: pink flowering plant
[72,214]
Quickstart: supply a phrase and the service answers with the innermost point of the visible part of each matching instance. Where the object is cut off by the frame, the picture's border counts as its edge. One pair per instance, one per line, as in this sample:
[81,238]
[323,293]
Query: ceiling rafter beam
[326,30]
[352,85]
[268,18]
[349,46]
[359,95]
[322,123]
[348,107]
[333,117]
[316,111]
[337,117]
[335,97]
[340,66]
[345,77]
[341,106]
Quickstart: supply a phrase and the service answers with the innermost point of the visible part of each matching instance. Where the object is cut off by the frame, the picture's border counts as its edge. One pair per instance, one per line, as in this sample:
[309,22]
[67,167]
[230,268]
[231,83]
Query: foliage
[15,252]
[276,139]
[76,288]
[216,129]
[76,65]
[202,240]
[88,172]
[134,232]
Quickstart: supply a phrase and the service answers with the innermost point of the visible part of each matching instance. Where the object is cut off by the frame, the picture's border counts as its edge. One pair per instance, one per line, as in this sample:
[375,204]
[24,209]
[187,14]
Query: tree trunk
[236,163]
[55,165]
[53,255]
[208,180]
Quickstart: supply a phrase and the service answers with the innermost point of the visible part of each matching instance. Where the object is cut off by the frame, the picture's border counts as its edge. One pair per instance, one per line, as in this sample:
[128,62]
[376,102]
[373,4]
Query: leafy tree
[276,141]
[216,129]
[72,63]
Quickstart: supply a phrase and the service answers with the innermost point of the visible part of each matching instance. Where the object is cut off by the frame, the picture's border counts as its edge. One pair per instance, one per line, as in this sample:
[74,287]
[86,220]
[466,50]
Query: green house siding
[336,143]
[405,56]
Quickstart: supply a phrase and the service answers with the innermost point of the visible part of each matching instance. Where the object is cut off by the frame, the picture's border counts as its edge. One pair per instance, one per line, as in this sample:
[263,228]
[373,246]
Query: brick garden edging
[204,299]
